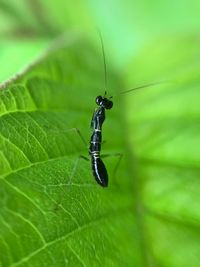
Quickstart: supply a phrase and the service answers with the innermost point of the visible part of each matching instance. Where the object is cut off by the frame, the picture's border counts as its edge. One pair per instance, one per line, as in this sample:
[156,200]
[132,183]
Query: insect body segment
[98,167]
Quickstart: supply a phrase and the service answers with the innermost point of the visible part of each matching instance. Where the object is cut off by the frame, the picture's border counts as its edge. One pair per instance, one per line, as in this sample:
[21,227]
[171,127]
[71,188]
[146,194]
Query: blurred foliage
[151,216]
[125,26]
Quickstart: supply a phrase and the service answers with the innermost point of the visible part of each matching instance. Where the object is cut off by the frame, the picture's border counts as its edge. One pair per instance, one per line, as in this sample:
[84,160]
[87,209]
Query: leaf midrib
[73,232]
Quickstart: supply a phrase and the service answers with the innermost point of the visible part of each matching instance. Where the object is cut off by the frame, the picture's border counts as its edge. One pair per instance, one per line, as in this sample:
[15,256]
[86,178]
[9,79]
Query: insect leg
[79,134]
[75,167]
[119,155]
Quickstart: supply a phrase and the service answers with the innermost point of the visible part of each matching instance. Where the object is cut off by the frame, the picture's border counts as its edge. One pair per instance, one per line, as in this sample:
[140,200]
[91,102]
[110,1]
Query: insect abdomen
[99,171]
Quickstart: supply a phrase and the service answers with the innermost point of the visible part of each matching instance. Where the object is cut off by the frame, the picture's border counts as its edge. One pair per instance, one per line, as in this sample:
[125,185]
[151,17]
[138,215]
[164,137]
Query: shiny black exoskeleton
[99,170]
[98,167]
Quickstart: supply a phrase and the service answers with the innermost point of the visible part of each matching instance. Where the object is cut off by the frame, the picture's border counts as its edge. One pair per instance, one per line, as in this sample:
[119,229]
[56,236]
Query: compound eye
[109,104]
[98,100]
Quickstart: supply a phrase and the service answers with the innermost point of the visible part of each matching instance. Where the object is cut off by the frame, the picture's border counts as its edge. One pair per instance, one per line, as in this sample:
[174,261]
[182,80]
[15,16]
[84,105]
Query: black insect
[98,167]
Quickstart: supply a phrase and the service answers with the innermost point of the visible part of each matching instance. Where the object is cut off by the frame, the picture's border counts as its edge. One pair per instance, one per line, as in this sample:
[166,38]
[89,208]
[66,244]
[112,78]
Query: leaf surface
[164,132]
[51,206]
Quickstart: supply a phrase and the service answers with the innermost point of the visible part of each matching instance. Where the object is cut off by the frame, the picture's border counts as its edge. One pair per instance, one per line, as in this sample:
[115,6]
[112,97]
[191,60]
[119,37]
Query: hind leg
[119,156]
[75,167]
[79,134]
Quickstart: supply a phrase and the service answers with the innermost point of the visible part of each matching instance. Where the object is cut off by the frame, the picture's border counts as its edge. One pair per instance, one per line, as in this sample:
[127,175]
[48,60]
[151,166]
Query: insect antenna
[104,60]
[140,87]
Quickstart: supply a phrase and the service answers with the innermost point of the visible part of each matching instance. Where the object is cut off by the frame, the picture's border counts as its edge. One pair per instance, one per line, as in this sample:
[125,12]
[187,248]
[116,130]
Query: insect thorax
[99,118]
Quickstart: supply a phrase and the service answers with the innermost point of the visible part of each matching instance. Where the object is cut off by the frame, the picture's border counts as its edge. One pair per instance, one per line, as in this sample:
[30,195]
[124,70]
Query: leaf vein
[23,194]
[36,139]
[28,222]
[63,238]
[18,148]
[77,256]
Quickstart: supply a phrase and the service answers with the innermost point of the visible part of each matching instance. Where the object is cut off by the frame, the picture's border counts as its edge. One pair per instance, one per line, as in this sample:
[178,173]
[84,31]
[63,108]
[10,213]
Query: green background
[52,212]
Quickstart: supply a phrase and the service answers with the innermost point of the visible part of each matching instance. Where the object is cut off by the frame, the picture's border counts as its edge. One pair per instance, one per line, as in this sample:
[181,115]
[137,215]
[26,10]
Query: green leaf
[51,206]
[53,213]
[164,135]
[22,53]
